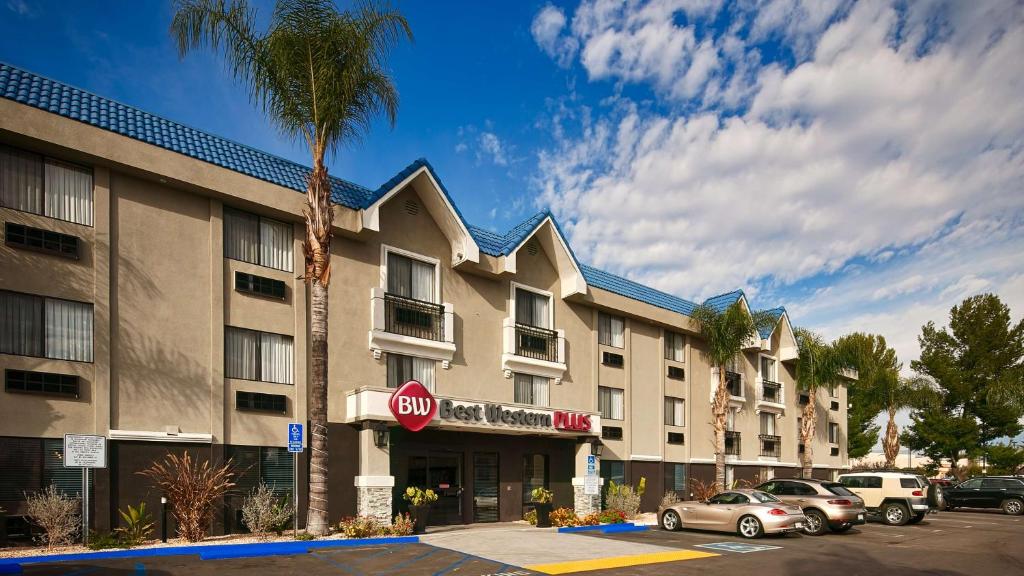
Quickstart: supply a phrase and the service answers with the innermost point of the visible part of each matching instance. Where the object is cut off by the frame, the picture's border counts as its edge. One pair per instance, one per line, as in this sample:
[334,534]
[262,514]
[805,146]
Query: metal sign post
[295,447]
[85,451]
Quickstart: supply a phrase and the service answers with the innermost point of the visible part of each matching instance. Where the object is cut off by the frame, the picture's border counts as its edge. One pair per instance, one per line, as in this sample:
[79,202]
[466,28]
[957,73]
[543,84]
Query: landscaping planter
[543,515]
[420,516]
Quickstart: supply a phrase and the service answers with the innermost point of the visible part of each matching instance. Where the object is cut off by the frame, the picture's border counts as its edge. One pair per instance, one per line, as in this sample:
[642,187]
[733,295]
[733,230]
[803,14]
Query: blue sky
[861,163]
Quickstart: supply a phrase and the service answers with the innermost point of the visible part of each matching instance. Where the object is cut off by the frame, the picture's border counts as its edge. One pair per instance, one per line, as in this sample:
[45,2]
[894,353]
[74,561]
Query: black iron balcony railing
[771,391]
[770,445]
[732,443]
[537,343]
[734,383]
[411,317]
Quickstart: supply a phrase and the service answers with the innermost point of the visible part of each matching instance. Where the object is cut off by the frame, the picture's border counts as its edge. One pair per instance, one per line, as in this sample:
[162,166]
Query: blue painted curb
[593,528]
[616,528]
[208,552]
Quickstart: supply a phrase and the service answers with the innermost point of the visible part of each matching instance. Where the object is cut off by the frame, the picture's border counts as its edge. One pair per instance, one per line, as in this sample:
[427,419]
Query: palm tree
[316,73]
[818,363]
[725,334]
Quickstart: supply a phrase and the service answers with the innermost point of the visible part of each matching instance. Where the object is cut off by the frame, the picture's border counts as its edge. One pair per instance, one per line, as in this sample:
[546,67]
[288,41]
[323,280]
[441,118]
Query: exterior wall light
[381,434]
[596,447]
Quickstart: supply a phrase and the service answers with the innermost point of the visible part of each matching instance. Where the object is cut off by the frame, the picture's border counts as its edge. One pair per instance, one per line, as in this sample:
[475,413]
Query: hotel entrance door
[442,473]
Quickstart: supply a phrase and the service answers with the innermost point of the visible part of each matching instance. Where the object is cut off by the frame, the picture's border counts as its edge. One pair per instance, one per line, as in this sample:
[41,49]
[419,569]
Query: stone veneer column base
[373,497]
[585,504]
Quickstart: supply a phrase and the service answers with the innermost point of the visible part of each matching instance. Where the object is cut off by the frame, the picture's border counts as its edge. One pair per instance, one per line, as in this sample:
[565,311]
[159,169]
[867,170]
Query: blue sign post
[295,447]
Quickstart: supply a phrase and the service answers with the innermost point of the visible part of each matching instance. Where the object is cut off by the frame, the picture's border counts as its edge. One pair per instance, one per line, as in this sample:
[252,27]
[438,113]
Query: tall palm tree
[318,74]
[725,334]
[818,363]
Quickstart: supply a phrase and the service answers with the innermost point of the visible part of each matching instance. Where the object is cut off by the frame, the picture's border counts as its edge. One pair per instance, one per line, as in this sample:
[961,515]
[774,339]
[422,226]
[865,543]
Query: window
[861,481]
[834,406]
[31,183]
[676,438]
[833,433]
[611,330]
[676,373]
[610,403]
[38,240]
[834,451]
[259,286]
[674,411]
[411,278]
[45,327]
[401,369]
[535,474]
[257,240]
[31,464]
[261,402]
[972,484]
[674,343]
[837,489]
[40,383]
[832,390]
[611,432]
[255,464]
[675,477]
[531,390]
[262,356]
[730,419]
[909,483]
[768,369]
[804,398]
[533,309]
[613,471]
[768,423]
[612,359]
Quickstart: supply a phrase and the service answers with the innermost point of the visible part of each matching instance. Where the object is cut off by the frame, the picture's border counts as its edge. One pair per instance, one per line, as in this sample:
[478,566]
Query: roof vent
[412,207]
[532,248]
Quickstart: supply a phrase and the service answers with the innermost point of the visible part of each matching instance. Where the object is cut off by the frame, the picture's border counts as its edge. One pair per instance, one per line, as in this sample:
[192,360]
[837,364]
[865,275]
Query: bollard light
[163,519]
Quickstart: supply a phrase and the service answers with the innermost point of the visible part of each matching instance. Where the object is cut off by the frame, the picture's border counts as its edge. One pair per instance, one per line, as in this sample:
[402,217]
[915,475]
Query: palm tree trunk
[891,444]
[317,251]
[719,409]
[807,426]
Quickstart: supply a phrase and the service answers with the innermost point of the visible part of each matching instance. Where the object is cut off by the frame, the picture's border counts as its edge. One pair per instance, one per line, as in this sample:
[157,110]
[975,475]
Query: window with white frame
[833,433]
[675,410]
[531,390]
[533,308]
[402,369]
[730,420]
[768,368]
[257,240]
[411,278]
[674,344]
[610,403]
[733,365]
[260,356]
[832,390]
[45,327]
[31,183]
[611,330]
[768,423]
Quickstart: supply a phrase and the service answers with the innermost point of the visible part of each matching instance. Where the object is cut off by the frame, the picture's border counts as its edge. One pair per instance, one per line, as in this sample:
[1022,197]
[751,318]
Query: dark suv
[1006,492]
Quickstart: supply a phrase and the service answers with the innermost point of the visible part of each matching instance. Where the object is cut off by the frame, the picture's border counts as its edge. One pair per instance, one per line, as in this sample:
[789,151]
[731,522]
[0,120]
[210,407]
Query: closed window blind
[262,356]
[257,240]
[675,411]
[410,278]
[675,477]
[611,330]
[610,403]
[532,390]
[402,369]
[674,346]
[268,465]
[68,330]
[532,309]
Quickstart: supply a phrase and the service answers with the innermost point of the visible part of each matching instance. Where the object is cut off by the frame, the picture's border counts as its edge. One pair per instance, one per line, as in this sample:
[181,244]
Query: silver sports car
[751,513]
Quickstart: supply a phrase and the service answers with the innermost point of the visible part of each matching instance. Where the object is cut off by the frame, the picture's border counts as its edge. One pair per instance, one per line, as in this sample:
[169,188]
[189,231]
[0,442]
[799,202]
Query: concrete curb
[605,528]
[208,552]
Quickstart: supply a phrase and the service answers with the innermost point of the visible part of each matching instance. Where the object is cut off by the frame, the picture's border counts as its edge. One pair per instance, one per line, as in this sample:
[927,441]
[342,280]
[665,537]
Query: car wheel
[816,523]
[842,528]
[670,521]
[750,527]
[936,496]
[895,514]
[916,518]
[1013,507]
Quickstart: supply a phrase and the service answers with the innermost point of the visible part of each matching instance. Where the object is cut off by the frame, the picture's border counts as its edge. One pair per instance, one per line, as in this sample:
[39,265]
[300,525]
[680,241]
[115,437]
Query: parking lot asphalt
[952,543]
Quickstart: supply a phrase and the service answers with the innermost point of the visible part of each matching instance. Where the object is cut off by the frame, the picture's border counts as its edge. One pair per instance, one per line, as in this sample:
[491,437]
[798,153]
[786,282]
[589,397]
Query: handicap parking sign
[591,465]
[295,437]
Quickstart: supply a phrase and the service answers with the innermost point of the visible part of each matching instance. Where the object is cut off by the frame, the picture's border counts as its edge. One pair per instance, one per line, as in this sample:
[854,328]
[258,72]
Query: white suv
[895,497]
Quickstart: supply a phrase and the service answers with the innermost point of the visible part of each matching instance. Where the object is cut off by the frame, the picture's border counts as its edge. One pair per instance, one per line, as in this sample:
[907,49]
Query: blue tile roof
[70,102]
[77,104]
[776,313]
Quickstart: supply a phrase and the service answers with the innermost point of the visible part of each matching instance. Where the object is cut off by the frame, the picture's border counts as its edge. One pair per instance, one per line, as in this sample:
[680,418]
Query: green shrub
[138,525]
[541,495]
[361,527]
[612,516]
[418,497]
[104,541]
[305,536]
[563,517]
[531,517]
[402,525]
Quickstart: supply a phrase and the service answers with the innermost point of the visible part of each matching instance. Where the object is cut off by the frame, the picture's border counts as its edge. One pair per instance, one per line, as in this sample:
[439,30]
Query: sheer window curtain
[611,330]
[410,278]
[68,192]
[275,241]
[21,324]
[276,358]
[241,236]
[423,372]
[532,390]
[21,180]
[674,346]
[532,309]
[68,330]
[423,281]
[240,348]
[768,424]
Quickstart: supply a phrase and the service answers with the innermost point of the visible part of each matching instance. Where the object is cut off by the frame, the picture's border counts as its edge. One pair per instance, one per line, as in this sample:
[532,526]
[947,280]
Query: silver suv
[827,505]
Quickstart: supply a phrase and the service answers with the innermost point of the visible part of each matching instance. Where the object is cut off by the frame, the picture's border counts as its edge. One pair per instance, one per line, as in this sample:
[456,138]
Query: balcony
[732,443]
[532,350]
[734,382]
[412,327]
[771,392]
[771,446]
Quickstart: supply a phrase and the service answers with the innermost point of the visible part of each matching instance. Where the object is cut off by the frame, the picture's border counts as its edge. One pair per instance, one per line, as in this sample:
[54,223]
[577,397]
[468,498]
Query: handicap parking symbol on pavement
[739,547]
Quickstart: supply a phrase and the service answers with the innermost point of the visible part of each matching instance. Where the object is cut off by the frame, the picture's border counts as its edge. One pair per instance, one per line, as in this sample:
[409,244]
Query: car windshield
[836,488]
[759,496]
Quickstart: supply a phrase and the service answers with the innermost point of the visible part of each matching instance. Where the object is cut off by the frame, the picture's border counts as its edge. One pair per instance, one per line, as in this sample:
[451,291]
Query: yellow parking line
[618,561]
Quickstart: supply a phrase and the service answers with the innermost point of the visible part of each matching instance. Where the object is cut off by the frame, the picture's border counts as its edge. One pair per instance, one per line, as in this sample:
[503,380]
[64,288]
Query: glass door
[485,487]
[444,476]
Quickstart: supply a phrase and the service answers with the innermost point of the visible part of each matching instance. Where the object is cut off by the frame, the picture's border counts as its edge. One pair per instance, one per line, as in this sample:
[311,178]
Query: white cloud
[547,33]
[492,146]
[20,7]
